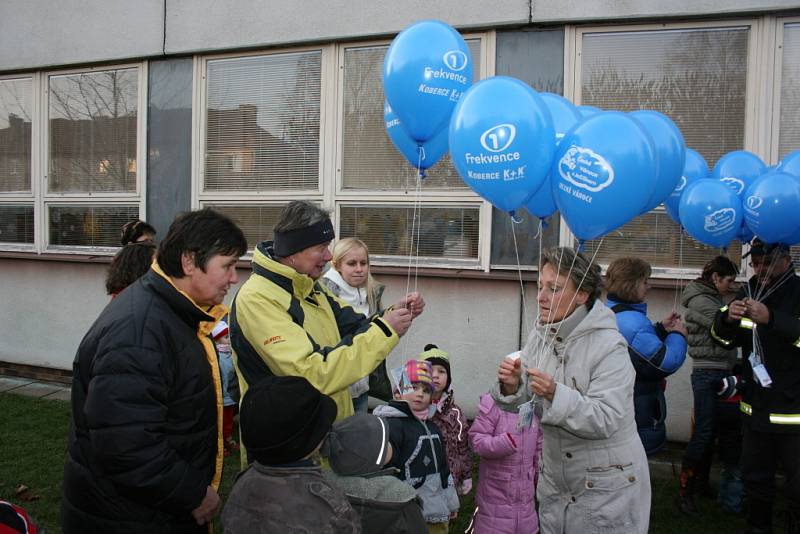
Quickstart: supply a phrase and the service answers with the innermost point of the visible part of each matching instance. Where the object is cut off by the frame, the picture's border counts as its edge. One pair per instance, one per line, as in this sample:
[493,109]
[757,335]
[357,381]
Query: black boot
[759,517]
[685,501]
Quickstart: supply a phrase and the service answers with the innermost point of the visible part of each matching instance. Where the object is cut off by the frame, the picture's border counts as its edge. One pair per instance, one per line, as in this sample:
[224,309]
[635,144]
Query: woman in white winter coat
[576,370]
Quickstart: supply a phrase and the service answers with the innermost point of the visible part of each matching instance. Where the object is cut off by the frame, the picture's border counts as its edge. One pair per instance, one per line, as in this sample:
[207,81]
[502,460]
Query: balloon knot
[514,218]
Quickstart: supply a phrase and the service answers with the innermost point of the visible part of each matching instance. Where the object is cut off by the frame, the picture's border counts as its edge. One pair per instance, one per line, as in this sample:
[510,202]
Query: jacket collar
[299,285]
[347,292]
[181,303]
[613,300]
[579,323]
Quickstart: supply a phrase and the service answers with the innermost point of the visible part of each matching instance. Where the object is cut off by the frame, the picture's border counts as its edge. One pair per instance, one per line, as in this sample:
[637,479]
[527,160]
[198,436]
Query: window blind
[88,226]
[263,123]
[256,221]
[92,131]
[369,160]
[15,135]
[440,231]
[789,139]
[16,223]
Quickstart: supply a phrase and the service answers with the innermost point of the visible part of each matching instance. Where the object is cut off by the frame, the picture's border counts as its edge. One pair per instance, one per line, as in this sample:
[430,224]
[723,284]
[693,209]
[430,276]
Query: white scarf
[354,296]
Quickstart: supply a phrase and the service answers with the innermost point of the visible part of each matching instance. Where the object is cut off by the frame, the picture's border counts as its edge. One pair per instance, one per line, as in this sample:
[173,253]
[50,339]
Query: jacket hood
[613,300]
[394,409]
[581,322]
[302,285]
[696,288]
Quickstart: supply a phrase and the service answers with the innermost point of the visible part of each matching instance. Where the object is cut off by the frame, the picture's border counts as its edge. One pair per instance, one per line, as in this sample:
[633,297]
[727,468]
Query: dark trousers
[762,452]
[705,383]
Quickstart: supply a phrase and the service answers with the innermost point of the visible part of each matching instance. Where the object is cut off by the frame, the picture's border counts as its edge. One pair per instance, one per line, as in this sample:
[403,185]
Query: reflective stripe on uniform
[797,343]
[774,418]
[746,322]
[725,342]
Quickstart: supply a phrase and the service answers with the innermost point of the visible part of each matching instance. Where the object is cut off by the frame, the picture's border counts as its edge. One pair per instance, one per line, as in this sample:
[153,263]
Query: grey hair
[300,214]
[584,274]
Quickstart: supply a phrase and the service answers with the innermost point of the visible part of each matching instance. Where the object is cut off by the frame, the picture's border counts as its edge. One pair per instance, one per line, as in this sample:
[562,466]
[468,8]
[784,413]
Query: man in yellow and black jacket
[766,314]
[283,322]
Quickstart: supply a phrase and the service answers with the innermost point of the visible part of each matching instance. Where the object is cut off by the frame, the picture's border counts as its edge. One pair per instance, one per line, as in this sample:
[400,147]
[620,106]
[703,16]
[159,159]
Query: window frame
[755,97]
[777,81]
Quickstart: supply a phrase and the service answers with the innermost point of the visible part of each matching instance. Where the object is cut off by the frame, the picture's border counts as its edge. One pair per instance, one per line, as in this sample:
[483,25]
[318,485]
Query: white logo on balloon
[720,220]
[754,202]
[455,60]
[734,183]
[498,138]
[585,168]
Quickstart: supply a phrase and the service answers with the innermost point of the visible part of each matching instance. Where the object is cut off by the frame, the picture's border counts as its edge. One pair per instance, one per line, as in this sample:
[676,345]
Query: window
[377,188]
[265,122]
[695,75]
[787,118]
[261,122]
[16,188]
[82,180]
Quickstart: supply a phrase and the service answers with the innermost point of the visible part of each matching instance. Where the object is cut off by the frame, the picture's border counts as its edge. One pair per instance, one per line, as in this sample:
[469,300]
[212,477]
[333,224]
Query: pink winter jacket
[508,471]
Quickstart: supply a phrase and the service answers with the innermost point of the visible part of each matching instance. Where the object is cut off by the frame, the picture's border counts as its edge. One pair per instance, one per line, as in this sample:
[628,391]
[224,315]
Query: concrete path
[33,388]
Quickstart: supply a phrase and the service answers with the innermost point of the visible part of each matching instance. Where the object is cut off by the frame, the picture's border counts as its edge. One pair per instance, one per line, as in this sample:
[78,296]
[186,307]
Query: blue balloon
[502,141]
[670,153]
[603,173]
[794,238]
[770,203]
[588,111]
[790,163]
[694,168]
[745,234]
[565,114]
[426,154]
[738,169]
[426,70]
[542,204]
[711,212]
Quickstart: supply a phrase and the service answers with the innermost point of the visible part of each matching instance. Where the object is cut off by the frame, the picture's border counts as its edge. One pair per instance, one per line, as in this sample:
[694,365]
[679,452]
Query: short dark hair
[300,214]
[128,265]
[204,233]
[133,230]
[721,265]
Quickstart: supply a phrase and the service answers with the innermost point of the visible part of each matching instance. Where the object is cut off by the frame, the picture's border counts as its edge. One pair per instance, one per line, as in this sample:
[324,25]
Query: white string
[519,272]
[415,231]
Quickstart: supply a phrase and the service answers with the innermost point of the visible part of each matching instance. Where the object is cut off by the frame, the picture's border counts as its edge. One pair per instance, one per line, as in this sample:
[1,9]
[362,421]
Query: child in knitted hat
[284,422]
[450,419]
[230,385]
[419,450]
[358,449]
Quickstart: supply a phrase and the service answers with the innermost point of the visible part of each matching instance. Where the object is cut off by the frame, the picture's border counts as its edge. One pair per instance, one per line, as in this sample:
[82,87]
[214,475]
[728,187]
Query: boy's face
[420,398]
[439,377]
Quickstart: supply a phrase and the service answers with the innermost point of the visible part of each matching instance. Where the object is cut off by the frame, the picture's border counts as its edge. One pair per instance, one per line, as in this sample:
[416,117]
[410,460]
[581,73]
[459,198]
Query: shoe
[686,505]
[685,500]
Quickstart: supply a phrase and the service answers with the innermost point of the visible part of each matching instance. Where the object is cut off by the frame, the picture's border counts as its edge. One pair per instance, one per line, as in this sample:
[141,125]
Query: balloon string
[416,227]
[519,272]
[680,267]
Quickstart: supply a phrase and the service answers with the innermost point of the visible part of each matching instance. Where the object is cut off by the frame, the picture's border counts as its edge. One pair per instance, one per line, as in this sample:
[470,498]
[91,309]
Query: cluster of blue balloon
[600,169]
[737,199]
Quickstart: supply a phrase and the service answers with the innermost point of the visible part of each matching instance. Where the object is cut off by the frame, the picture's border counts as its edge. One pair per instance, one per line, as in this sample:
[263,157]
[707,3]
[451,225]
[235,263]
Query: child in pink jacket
[509,471]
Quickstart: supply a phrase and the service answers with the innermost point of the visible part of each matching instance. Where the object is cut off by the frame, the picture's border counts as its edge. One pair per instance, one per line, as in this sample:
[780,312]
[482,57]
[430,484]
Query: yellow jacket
[284,323]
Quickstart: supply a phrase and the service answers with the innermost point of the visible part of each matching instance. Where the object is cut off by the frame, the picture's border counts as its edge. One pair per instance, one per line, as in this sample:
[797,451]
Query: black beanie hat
[284,418]
[357,445]
[437,356]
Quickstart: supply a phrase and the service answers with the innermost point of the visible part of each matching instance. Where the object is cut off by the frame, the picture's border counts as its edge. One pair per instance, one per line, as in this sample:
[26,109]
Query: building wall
[476,321]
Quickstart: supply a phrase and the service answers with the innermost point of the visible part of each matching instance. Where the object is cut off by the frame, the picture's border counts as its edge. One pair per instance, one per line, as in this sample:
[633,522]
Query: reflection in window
[369,160]
[16,223]
[88,226]
[92,131]
[256,222]
[15,135]
[262,123]
[440,232]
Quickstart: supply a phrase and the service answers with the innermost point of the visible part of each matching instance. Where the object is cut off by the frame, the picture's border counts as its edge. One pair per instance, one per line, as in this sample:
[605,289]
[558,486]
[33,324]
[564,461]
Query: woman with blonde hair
[349,279]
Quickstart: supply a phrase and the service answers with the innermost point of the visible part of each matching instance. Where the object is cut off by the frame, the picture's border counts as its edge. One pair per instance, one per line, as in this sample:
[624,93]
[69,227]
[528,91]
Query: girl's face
[420,398]
[439,378]
[724,284]
[354,267]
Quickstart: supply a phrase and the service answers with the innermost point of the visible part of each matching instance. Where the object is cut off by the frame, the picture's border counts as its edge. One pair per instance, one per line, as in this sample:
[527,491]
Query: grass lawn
[33,445]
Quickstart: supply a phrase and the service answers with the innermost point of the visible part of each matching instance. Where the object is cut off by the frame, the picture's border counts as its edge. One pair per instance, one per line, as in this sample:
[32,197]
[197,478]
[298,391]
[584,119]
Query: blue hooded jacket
[655,354]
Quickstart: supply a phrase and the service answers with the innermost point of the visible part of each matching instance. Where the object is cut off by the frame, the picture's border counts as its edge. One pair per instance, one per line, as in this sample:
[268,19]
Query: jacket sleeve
[667,355]
[289,350]
[126,413]
[511,403]
[706,308]
[727,334]
[785,326]
[482,433]
[599,412]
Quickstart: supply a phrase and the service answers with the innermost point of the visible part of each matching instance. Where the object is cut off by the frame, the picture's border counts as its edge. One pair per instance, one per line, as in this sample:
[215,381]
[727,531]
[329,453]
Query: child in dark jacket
[509,474]
[284,421]
[419,451]
[450,419]
[358,449]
